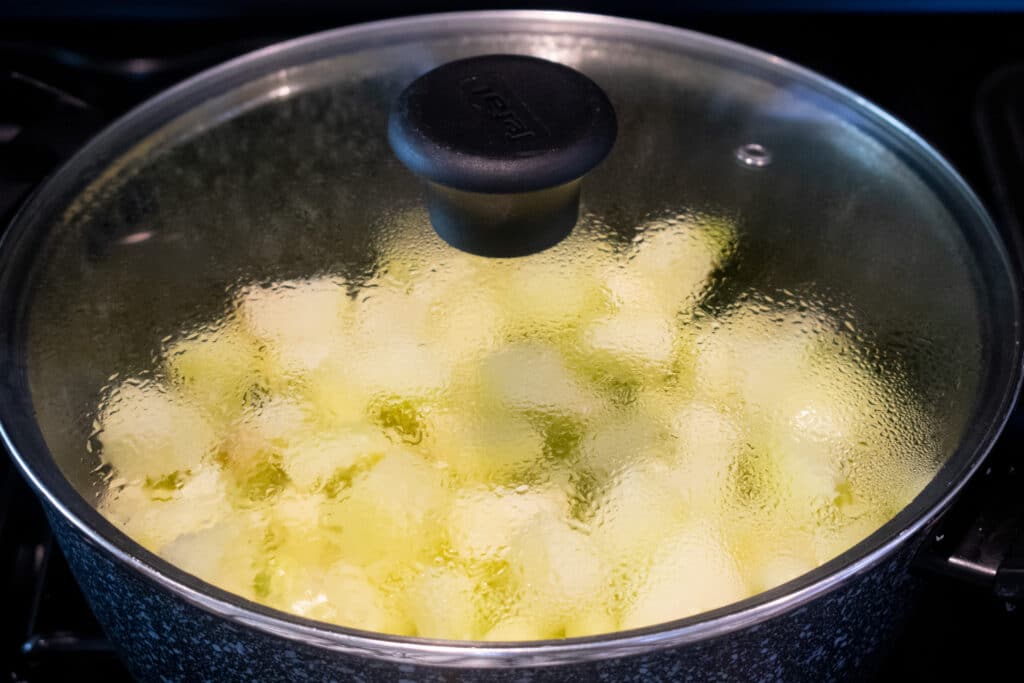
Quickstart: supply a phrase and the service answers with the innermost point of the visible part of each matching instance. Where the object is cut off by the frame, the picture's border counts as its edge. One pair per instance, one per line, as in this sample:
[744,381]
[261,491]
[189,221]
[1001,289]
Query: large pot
[242,171]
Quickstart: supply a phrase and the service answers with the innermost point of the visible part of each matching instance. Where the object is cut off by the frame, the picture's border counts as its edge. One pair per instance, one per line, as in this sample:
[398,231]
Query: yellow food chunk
[331,395]
[341,594]
[620,442]
[522,628]
[217,368]
[442,604]
[544,295]
[464,325]
[829,543]
[769,550]
[276,421]
[808,475]
[678,257]
[533,376]
[707,443]
[776,570]
[301,320]
[311,461]
[691,573]
[156,511]
[636,511]
[487,449]
[640,341]
[391,511]
[226,554]
[399,367]
[557,568]
[148,431]
[252,451]
[589,621]
[386,312]
[752,356]
[626,290]
[483,522]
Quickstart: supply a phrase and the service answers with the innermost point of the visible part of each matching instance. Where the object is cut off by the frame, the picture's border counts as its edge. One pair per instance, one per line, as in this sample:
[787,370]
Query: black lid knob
[503,141]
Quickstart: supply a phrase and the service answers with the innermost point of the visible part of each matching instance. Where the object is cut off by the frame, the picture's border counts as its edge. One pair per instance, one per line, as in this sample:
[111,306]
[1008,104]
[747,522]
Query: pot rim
[36,463]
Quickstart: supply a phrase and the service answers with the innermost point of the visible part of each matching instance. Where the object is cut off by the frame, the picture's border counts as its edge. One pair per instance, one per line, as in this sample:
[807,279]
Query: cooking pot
[277,165]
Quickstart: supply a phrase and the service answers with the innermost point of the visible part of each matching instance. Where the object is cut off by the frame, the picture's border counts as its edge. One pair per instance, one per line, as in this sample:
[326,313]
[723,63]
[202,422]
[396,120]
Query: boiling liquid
[559,445]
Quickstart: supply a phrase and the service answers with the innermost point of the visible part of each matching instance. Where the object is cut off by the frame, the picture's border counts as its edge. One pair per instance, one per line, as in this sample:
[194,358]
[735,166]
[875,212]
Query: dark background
[928,63]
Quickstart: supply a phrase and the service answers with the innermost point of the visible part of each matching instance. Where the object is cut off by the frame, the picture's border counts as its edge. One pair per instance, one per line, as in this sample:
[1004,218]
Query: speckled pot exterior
[161,637]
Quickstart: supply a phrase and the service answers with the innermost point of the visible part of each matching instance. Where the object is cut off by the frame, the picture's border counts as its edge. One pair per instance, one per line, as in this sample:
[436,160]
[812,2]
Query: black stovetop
[956,79]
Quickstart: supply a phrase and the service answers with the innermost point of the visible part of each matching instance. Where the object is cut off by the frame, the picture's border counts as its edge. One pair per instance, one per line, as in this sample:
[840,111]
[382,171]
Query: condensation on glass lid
[601,437]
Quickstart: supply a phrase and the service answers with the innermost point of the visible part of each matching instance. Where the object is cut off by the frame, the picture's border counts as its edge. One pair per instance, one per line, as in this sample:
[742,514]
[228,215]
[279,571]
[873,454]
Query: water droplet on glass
[753,155]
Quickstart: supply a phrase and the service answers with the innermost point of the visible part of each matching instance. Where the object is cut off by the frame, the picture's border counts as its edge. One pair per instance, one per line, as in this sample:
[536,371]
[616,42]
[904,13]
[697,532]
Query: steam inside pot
[537,448]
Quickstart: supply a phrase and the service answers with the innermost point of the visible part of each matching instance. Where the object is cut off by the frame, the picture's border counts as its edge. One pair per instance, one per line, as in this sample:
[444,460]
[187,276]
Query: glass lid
[777,317]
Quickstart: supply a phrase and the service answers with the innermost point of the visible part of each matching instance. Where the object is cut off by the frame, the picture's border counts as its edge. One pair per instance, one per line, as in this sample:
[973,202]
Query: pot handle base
[980,540]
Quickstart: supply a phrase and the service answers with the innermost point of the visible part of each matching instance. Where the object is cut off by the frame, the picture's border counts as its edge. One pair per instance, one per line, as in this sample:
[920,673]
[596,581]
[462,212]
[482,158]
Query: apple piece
[400,367]
[822,406]
[263,432]
[387,311]
[707,443]
[752,356]
[776,570]
[546,293]
[392,511]
[464,324]
[809,476]
[276,421]
[632,341]
[483,521]
[441,300]
[442,603]
[356,602]
[619,442]
[216,368]
[332,398]
[301,320]
[769,548]
[635,512]
[489,448]
[149,430]
[519,628]
[556,568]
[832,541]
[156,511]
[311,461]
[625,289]
[591,621]
[692,572]
[532,376]
[338,593]
[227,554]
[678,255]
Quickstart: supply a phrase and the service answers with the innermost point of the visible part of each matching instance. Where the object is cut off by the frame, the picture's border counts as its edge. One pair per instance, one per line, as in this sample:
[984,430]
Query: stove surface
[958,80]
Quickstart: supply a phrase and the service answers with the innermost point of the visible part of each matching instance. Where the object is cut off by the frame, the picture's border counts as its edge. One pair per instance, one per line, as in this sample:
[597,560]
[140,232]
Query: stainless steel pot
[277,165]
